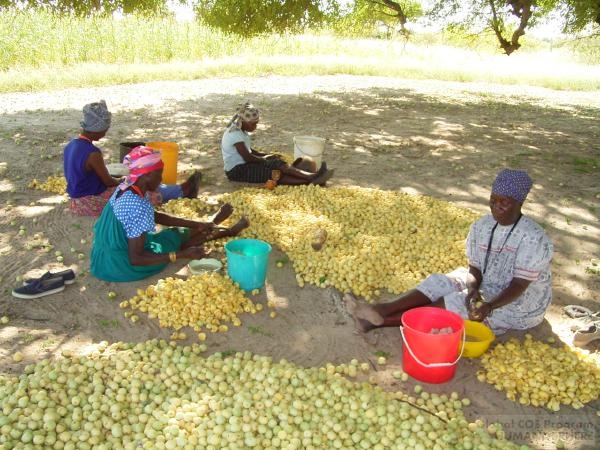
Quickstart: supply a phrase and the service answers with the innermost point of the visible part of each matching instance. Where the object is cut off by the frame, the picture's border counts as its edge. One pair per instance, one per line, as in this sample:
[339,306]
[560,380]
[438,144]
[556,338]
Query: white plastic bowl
[198,266]
[117,169]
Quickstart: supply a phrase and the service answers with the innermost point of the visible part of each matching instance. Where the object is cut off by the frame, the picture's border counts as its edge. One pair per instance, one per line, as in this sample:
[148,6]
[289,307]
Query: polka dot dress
[134,212]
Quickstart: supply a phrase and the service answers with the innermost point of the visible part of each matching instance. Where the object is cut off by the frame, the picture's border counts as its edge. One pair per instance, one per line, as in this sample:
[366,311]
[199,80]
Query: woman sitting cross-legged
[126,246]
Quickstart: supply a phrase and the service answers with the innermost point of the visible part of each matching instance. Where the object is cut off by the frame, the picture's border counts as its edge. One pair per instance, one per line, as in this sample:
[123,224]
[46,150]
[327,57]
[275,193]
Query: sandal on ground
[577,311]
[584,337]
[67,275]
[40,288]
[584,316]
[585,322]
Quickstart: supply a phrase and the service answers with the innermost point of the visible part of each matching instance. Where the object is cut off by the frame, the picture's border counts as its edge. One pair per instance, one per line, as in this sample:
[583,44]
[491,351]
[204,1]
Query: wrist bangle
[173,256]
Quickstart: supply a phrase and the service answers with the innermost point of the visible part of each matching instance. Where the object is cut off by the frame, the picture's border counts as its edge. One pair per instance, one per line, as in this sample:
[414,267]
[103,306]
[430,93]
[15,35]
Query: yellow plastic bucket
[169,155]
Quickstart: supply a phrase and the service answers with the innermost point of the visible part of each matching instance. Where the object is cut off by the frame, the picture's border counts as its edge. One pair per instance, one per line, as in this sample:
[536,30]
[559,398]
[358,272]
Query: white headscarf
[246,112]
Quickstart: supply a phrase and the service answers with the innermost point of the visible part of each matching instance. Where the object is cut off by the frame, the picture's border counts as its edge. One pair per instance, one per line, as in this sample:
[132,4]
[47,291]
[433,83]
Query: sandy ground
[447,140]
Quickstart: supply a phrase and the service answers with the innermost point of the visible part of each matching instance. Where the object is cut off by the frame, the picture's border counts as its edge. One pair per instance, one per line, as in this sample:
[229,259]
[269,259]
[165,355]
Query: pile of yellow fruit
[155,395]
[54,184]
[189,208]
[538,374]
[375,239]
[209,300]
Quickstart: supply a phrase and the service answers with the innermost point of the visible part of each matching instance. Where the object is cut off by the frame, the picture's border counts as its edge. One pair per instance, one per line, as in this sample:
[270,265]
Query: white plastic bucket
[309,146]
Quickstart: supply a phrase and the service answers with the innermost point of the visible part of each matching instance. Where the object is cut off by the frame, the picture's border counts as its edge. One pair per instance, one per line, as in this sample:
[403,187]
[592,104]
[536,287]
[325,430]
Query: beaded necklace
[489,246]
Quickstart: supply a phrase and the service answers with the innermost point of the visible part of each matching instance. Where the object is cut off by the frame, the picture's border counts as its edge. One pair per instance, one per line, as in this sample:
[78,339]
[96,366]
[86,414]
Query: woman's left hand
[479,313]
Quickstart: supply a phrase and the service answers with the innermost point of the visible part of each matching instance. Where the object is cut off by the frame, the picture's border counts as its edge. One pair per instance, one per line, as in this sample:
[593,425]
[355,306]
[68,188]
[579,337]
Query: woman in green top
[126,246]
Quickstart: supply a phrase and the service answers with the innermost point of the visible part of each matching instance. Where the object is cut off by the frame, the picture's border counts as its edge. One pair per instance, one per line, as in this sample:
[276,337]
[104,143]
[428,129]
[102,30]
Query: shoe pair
[47,284]
[585,317]
[585,336]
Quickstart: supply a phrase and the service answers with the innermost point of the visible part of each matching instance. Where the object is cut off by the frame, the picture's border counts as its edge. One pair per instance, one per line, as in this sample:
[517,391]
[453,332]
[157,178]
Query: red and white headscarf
[141,160]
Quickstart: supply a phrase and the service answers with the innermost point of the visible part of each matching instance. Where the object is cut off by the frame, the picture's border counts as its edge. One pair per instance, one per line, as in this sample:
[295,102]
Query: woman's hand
[477,308]
[479,311]
[473,297]
[95,162]
[193,253]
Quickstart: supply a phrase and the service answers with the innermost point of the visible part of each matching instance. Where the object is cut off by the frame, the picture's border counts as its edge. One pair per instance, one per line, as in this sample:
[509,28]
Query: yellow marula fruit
[375,239]
[190,208]
[535,373]
[54,184]
[158,394]
[204,301]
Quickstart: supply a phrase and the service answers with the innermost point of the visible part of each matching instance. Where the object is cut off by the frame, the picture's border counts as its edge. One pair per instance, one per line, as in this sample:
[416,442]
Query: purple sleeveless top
[80,182]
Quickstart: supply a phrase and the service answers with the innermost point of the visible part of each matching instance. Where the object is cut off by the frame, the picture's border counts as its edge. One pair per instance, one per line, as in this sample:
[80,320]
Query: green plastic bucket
[247,262]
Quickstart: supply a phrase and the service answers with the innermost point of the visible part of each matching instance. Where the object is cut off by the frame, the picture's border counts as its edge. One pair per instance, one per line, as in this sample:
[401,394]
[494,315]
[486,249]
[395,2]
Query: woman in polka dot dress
[126,246]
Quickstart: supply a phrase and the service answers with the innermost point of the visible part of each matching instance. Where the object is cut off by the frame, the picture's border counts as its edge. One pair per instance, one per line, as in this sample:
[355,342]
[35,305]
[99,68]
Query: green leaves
[253,17]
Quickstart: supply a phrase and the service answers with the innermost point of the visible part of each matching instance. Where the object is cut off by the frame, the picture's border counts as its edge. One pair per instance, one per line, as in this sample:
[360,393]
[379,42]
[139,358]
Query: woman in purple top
[89,184]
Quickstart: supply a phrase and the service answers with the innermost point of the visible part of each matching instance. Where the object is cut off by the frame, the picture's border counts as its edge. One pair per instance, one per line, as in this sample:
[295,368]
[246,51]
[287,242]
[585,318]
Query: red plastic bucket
[426,356]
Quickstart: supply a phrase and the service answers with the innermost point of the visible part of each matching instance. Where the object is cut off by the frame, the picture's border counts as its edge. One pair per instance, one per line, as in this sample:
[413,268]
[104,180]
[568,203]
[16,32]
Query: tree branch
[399,12]
[520,9]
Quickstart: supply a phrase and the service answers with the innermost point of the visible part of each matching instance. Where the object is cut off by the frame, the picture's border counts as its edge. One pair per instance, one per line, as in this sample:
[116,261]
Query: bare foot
[322,178]
[234,230]
[224,212]
[365,316]
[241,224]
[350,302]
[191,186]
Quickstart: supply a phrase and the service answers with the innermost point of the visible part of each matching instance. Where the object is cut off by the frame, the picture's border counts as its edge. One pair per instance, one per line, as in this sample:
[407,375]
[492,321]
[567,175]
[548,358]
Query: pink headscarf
[139,161]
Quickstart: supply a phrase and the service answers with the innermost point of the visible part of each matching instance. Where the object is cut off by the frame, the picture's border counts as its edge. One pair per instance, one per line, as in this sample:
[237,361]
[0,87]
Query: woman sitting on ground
[89,184]
[126,247]
[242,163]
[508,284]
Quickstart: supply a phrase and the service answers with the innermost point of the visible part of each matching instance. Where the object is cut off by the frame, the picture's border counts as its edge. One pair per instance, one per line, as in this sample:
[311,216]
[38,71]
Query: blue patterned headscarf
[96,117]
[512,183]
